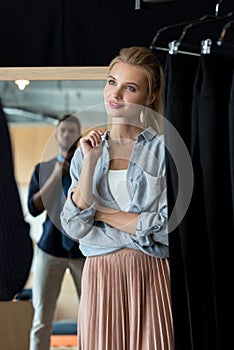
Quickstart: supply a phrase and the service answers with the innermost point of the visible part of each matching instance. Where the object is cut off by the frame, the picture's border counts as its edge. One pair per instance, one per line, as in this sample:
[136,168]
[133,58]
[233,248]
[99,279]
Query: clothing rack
[174,46]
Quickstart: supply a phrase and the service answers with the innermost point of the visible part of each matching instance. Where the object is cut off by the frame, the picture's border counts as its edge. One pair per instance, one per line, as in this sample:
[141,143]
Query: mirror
[50,93]
[32,115]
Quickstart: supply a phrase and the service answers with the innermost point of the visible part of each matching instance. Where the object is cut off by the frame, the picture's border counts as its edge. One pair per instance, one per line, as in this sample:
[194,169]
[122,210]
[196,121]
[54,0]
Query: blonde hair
[145,59]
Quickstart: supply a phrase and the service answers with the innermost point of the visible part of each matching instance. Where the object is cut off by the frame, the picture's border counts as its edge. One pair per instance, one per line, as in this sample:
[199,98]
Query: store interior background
[74,33]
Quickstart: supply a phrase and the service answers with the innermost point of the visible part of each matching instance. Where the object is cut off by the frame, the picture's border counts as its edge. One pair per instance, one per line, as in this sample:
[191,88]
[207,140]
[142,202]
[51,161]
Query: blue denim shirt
[146,183]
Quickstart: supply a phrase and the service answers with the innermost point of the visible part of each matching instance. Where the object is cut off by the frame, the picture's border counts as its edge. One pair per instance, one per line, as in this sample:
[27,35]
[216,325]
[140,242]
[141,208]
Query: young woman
[117,209]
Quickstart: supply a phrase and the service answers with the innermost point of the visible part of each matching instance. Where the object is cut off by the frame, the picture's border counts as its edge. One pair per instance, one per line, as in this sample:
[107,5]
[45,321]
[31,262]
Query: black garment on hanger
[185,259]
[213,139]
[196,99]
[16,250]
[231,137]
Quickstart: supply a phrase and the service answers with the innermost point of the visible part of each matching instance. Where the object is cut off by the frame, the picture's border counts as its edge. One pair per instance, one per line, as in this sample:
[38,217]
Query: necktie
[67,242]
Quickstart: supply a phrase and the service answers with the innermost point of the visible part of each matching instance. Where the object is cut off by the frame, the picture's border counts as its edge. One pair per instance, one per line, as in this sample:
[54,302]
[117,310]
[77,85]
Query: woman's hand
[92,143]
[91,146]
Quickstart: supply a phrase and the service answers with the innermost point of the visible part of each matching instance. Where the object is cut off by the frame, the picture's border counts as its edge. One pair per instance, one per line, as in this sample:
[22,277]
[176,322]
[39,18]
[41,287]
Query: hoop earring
[143,117]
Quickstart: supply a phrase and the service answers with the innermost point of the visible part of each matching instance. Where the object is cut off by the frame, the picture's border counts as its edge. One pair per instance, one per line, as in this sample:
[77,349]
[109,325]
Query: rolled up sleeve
[81,226]
[152,225]
[75,222]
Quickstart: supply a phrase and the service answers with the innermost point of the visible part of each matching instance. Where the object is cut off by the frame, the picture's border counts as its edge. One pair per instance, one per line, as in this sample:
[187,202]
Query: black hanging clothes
[187,286]
[16,250]
[196,100]
[231,138]
[213,138]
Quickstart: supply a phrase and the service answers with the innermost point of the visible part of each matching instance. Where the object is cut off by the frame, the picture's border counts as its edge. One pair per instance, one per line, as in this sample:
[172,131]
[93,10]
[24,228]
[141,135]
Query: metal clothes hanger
[205,44]
[228,25]
[187,23]
[163,29]
[173,46]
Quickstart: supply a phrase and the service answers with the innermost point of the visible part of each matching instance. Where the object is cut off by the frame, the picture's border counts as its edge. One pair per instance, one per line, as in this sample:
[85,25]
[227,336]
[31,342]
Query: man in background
[55,251]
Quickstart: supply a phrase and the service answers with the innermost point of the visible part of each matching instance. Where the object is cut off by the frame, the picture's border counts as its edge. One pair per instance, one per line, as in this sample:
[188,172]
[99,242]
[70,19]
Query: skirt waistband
[129,251]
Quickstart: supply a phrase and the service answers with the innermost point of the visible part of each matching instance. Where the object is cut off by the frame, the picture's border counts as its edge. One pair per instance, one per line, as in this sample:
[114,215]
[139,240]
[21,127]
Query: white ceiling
[46,101]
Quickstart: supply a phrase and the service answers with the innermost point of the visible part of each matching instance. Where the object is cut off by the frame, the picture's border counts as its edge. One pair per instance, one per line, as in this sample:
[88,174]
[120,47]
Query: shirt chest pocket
[147,190]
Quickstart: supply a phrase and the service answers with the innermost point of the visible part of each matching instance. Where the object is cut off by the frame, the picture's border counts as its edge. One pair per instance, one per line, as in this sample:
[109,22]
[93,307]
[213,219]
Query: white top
[118,188]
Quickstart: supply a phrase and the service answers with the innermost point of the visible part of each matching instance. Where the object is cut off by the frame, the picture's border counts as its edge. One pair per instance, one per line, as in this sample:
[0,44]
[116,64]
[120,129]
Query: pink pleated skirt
[125,303]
